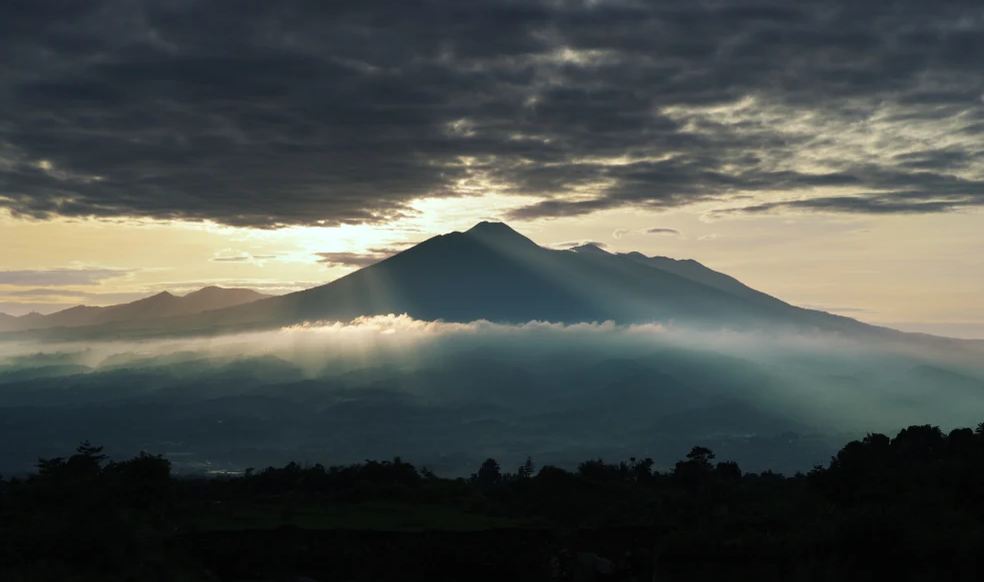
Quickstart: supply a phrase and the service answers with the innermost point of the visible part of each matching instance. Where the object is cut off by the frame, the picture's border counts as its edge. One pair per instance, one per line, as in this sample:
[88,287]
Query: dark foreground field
[909,507]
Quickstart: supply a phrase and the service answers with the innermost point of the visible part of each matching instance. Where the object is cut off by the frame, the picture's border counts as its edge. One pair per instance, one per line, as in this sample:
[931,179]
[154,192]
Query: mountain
[161,305]
[212,297]
[494,273]
[32,320]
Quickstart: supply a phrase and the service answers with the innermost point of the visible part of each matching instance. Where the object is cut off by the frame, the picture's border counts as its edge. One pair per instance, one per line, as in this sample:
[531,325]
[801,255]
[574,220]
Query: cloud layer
[323,113]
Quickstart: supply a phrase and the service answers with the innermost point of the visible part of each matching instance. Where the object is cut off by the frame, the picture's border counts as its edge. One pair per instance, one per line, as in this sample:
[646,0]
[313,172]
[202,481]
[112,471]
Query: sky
[829,153]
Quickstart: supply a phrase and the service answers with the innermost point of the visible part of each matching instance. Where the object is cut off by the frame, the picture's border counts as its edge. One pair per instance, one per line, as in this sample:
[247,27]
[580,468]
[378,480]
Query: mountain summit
[494,230]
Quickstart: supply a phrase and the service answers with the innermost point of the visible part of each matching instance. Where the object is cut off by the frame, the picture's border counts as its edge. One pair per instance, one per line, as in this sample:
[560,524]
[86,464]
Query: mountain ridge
[162,304]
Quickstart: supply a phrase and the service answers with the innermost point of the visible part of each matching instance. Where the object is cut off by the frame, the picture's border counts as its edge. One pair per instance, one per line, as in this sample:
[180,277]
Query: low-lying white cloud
[402,335]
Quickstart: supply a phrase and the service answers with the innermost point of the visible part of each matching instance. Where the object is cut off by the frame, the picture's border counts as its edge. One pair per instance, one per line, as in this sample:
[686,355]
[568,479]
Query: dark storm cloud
[323,113]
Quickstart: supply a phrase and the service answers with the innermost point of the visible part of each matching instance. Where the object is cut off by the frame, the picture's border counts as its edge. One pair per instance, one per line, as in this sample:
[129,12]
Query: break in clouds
[451,394]
[343,113]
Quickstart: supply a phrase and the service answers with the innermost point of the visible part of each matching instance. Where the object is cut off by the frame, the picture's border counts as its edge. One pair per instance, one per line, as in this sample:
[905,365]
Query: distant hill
[494,273]
[157,306]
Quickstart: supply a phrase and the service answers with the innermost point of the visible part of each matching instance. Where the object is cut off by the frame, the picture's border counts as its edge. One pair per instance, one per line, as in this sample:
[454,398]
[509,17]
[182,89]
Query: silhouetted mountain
[161,305]
[494,273]
[31,320]
[212,297]
[26,321]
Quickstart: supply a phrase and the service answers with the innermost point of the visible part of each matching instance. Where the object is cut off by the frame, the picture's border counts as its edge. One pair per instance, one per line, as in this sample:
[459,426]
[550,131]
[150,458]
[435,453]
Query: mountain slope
[695,271]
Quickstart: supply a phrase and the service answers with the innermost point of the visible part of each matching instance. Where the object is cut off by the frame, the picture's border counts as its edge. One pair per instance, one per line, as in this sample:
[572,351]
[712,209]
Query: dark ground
[903,508]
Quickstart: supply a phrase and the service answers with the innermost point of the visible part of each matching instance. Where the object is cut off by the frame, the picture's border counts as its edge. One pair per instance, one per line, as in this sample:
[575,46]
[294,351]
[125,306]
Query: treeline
[914,501]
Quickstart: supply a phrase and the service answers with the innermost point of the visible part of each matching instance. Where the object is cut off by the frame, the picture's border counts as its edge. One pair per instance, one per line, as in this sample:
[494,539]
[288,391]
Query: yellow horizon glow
[908,270]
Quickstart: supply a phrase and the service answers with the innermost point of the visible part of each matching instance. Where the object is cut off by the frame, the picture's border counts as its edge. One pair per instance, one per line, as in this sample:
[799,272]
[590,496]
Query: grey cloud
[663,231]
[353,259]
[58,277]
[49,292]
[871,204]
[233,259]
[344,112]
[58,296]
[557,208]
[243,258]
[573,244]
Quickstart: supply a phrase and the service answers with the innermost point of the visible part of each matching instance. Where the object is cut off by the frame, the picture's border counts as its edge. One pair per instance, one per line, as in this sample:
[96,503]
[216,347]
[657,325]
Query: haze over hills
[491,272]
[163,304]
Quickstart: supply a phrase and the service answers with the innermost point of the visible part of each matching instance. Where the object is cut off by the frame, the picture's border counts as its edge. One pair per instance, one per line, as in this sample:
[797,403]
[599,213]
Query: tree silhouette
[489,474]
[85,464]
[695,472]
[526,470]
[701,456]
[728,471]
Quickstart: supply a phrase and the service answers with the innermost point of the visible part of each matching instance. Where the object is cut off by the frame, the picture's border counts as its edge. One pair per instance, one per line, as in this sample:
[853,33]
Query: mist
[447,395]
